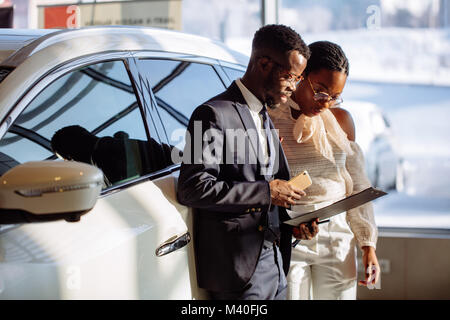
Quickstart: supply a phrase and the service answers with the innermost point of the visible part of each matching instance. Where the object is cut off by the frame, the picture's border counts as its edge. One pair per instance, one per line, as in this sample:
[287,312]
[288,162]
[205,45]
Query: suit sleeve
[200,183]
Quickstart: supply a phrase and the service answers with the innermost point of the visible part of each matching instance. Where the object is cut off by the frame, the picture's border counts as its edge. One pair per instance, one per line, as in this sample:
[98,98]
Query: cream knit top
[334,173]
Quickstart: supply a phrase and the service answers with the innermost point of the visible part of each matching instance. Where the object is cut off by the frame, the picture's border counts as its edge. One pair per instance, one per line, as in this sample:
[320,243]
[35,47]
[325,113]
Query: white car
[119,98]
[375,137]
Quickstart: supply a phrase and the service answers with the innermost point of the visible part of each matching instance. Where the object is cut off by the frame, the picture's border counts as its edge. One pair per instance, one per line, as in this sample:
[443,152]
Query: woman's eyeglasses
[324,97]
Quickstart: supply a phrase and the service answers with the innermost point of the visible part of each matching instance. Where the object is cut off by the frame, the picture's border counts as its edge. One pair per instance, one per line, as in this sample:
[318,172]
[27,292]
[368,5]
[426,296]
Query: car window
[233,74]
[89,115]
[4,71]
[179,87]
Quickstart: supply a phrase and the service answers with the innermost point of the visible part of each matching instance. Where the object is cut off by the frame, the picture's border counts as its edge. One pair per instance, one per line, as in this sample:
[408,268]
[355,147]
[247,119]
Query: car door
[89,110]
[179,84]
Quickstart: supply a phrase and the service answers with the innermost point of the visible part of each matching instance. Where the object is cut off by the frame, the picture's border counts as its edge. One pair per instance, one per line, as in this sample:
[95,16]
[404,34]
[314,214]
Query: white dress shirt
[255,106]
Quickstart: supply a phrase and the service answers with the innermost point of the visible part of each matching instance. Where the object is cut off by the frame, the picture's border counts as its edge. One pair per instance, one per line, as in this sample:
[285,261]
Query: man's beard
[270,103]
[269,84]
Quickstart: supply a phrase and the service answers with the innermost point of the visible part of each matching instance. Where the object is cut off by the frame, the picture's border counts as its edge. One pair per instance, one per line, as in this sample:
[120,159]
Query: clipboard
[337,207]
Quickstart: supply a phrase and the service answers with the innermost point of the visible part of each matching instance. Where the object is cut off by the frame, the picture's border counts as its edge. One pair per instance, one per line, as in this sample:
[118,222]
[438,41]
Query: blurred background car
[376,139]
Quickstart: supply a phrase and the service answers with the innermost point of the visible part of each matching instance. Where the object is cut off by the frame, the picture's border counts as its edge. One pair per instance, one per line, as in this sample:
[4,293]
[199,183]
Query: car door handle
[172,244]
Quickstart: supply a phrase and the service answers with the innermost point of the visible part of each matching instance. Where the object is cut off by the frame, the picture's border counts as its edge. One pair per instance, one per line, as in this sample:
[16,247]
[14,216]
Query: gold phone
[301,181]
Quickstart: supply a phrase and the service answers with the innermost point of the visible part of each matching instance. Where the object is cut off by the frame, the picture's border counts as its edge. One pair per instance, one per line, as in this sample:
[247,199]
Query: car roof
[23,44]
[36,53]
[12,40]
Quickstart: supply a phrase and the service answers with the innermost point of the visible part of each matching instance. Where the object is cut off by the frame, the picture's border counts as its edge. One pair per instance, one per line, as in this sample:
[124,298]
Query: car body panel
[12,40]
[377,142]
[113,247]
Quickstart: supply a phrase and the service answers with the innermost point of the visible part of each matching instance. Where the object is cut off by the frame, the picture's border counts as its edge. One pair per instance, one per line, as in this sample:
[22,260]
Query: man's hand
[306,230]
[283,194]
[371,266]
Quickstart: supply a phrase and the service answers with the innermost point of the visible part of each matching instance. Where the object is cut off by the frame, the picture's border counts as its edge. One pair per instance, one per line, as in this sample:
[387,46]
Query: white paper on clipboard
[337,207]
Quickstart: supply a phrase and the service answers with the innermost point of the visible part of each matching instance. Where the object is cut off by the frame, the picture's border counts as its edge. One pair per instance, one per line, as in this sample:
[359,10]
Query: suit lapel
[249,126]
[244,113]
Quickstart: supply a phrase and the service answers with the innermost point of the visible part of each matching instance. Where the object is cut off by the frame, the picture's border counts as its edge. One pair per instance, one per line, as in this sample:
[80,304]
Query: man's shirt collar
[252,101]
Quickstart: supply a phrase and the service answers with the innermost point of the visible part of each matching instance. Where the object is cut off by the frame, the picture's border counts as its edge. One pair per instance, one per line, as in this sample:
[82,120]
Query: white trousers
[325,267]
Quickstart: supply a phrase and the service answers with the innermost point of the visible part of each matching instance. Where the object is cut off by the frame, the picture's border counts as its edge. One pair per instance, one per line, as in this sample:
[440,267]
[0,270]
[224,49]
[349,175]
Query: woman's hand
[371,267]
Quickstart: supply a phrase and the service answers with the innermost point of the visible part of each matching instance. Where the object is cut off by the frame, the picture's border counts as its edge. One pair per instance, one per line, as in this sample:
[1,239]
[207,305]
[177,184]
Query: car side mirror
[48,190]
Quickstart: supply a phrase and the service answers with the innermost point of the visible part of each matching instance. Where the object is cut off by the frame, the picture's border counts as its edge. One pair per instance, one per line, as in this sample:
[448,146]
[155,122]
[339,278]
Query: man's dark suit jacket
[231,200]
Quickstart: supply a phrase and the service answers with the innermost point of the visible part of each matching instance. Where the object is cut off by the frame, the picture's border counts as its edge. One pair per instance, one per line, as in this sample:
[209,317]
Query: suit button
[261,228]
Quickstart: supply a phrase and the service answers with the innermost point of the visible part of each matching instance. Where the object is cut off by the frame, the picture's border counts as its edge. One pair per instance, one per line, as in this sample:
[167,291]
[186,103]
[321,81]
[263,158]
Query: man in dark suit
[239,189]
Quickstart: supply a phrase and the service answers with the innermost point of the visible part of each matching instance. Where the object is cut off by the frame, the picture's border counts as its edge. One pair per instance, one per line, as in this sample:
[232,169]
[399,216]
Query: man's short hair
[279,38]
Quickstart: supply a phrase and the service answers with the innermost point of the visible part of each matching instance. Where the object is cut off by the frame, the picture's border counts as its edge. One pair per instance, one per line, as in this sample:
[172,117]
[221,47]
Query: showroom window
[179,87]
[89,115]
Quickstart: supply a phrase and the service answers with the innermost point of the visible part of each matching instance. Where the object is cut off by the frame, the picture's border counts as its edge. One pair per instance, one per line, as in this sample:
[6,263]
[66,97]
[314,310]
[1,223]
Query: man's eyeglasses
[324,97]
[285,74]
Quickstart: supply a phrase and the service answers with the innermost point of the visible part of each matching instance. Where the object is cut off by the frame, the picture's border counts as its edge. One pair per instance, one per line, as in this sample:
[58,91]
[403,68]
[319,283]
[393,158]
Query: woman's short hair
[327,55]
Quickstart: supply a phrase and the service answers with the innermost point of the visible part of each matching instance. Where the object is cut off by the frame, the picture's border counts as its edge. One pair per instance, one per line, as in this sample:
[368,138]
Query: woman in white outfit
[318,136]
